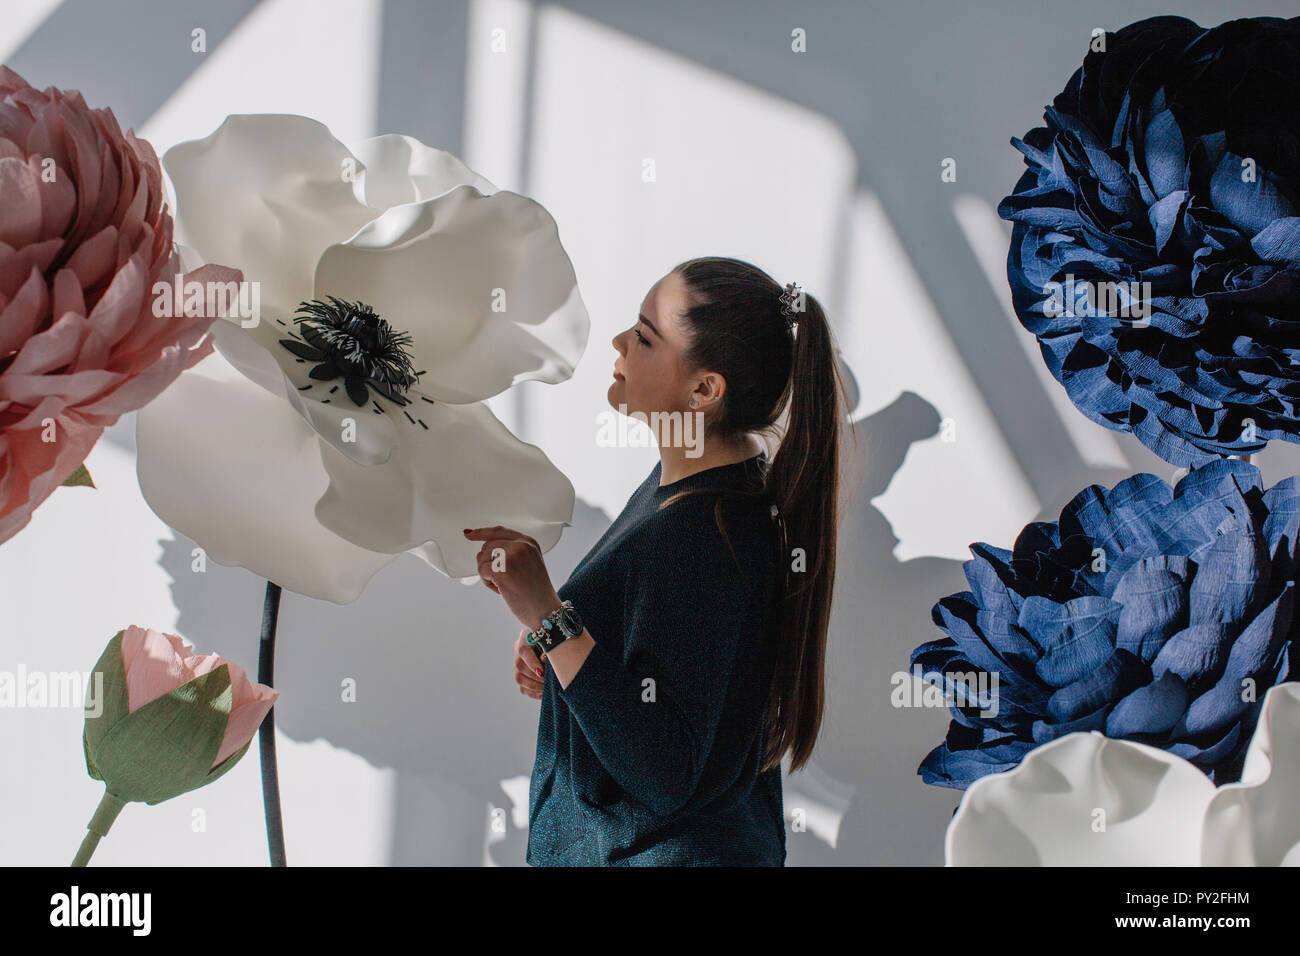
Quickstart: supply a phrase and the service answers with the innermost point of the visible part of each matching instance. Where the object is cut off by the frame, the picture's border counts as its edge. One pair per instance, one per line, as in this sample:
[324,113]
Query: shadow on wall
[436,700]
[881,610]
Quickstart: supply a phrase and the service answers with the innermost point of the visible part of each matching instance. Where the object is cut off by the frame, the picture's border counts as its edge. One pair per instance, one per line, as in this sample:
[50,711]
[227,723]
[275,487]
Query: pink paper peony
[156,664]
[84,236]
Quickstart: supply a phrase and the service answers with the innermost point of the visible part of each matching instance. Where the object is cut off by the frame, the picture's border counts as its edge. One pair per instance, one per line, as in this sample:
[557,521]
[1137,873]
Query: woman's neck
[675,464]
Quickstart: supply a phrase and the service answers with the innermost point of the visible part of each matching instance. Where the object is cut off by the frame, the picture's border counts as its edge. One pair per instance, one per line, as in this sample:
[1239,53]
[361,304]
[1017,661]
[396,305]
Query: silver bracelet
[557,627]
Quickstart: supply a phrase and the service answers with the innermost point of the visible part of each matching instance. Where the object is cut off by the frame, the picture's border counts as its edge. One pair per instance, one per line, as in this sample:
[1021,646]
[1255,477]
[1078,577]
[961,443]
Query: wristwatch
[557,627]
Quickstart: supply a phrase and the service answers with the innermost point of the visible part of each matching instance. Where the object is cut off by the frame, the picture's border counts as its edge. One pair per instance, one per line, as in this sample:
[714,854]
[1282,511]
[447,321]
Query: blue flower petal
[1279,242]
[1232,575]
[1153,593]
[956,619]
[958,769]
[1250,206]
[989,575]
[1044,730]
[1166,159]
[1282,526]
[1119,675]
[1153,708]
[1254,656]
[1117,519]
[1197,654]
[1208,754]
[1077,636]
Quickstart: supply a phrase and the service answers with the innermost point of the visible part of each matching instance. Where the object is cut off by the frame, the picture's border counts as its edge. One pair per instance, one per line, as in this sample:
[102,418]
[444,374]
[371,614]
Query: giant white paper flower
[1089,800]
[319,444]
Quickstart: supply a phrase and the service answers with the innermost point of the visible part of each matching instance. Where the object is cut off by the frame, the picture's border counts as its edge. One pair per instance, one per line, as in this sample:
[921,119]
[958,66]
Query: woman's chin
[615,394]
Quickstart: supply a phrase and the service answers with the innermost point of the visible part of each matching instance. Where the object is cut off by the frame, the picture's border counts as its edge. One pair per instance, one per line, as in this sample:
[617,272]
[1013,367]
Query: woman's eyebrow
[651,324]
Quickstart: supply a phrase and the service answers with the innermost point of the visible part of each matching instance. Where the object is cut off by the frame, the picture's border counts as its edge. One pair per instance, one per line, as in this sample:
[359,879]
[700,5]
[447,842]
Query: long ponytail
[803,480]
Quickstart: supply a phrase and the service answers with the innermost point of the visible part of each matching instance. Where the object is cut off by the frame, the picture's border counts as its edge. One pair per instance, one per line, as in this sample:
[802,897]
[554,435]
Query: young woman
[699,618]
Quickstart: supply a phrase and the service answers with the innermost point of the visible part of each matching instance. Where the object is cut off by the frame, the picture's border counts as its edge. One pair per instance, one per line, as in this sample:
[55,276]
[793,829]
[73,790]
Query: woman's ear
[708,391]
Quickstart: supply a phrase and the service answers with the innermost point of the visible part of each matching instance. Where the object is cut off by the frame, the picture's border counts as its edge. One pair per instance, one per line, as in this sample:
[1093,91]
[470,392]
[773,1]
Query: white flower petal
[362,434]
[233,467]
[400,169]
[239,346]
[482,283]
[1049,810]
[465,471]
[266,193]
[1255,822]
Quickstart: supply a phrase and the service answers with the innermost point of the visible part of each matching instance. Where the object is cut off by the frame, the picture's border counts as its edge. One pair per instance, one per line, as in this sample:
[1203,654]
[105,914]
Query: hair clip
[791,295]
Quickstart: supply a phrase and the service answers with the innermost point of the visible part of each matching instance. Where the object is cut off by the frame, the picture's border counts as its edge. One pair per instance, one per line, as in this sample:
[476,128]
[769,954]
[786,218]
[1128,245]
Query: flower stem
[266,733]
[103,817]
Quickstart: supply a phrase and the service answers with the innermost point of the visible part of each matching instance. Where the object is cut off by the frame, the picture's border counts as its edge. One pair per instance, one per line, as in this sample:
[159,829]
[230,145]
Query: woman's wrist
[567,657]
[540,614]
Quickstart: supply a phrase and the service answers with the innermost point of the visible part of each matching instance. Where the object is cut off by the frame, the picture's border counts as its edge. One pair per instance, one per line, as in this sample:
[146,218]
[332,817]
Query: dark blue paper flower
[1147,613]
[1172,158]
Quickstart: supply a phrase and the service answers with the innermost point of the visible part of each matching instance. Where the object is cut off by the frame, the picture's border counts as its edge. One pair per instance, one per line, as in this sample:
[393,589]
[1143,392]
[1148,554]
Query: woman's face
[649,375]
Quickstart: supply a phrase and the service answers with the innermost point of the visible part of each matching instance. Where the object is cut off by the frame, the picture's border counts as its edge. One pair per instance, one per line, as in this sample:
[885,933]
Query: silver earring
[692,403]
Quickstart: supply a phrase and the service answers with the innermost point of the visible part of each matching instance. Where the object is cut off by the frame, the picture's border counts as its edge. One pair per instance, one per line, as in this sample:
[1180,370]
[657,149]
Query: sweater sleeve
[651,713]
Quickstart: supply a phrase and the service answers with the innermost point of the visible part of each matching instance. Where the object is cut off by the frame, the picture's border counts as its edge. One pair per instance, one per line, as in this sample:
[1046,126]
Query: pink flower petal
[54,348]
[113,315]
[22,315]
[154,664]
[252,702]
[93,261]
[21,189]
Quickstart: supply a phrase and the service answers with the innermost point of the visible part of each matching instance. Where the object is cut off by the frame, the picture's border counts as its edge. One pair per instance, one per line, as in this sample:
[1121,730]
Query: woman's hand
[528,668]
[510,563]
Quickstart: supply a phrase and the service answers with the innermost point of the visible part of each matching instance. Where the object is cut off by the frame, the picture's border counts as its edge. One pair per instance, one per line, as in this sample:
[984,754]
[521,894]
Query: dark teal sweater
[650,756]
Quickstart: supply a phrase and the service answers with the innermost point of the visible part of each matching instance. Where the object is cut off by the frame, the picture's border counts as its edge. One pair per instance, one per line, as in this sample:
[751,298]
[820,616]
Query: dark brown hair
[734,326]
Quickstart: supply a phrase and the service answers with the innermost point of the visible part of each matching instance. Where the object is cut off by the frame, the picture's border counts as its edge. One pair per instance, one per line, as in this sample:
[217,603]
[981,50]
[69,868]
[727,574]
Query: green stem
[107,811]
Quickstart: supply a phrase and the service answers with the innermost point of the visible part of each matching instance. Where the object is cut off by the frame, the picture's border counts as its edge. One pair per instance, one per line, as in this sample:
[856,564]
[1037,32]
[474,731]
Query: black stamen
[349,340]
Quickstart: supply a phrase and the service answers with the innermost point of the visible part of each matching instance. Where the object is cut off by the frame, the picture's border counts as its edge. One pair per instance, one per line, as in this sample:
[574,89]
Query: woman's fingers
[528,682]
[527,679]
[528,669]
[499,532]
[526,652]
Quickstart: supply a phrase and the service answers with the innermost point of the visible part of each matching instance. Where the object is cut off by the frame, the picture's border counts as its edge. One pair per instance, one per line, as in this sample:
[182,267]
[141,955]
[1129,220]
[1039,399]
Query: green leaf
[229,762]
[113,697]
[90,764]
[79,477]
[167,747]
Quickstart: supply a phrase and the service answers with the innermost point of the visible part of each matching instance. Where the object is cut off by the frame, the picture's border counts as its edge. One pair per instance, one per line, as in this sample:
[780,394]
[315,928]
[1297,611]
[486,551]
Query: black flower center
[349,340]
